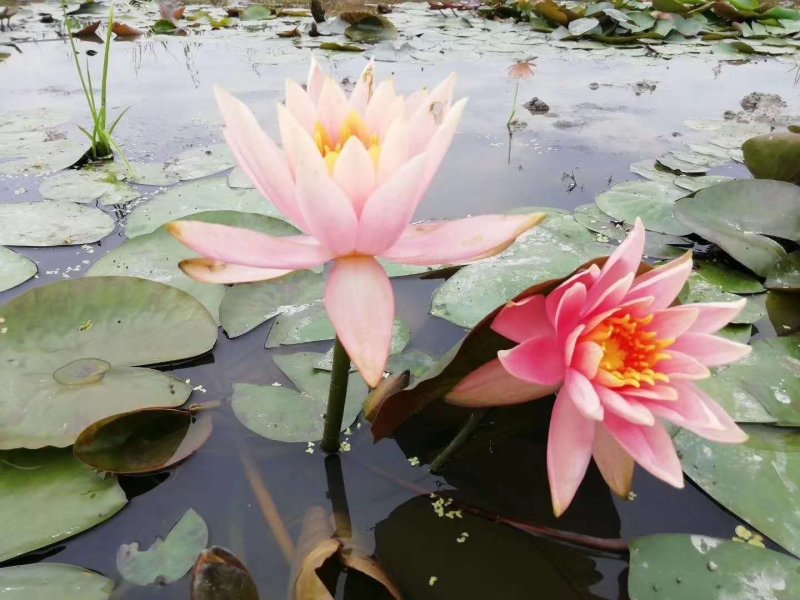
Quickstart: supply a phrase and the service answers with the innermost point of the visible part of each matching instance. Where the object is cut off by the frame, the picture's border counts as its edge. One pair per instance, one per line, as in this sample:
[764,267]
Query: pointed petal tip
[175,229]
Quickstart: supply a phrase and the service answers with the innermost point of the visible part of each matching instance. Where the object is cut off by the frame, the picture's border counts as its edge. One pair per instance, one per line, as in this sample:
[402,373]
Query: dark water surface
[593,134]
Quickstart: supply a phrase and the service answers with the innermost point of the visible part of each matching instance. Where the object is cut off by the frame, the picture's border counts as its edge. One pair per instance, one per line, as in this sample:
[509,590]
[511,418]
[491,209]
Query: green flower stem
[513,107]
[469,428]
[338,496]
[336,398]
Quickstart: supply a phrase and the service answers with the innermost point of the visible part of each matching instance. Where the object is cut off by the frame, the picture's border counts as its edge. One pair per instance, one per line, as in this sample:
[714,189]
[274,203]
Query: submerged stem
[338,497]
[336,398]
[438,463]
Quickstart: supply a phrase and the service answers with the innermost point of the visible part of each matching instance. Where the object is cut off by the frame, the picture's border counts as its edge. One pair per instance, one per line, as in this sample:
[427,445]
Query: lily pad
[166,560]
[285,415]
[56,223]
[156,256]
[553,249]
[756,481]
[367,27]
[52,326]
[190,198]
[53,581]
[652,201]
[87,185]
[579,27]
[200,162]
[774,156]
[752,210]
[14,269]
[785,274]
[48,496]
[668,567]
[727,279]
[783,309]
[151,174]
[700,289]
[142,441]
[257,12]
[219,575]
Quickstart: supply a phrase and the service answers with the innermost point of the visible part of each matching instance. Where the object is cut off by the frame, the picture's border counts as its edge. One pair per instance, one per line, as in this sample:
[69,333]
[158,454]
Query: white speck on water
[432,581]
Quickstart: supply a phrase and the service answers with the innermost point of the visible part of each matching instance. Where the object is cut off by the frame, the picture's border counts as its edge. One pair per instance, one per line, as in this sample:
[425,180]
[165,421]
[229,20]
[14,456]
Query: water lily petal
[586,358]
[687,410]
[250,248]
[432,113]
[354,173]
[586,277]
[209,270]
[521,320]
[536,360]
[300,105]
[651,392]
[394,150]
[383,109]
[492,385]
[616,465]
[682,366]
[316,78]
[460,241]
[360,304]
[583,394]
[601,297]
[727,432]
[333,108]
[569,449]
[629,409]
[362,93]
[673,322]
[663,283]
[297,143]
[713,316]
[568,311]
[439,143]
[710,350]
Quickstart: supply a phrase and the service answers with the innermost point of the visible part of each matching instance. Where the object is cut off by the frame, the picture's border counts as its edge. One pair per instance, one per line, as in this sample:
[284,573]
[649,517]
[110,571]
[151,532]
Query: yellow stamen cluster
[353,126]
[630,351]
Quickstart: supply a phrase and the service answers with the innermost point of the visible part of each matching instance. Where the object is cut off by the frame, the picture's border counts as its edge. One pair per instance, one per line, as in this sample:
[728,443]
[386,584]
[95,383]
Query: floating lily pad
[367,27]
[757,481]
[56,223]
[87,185]
[166,560]
[785,274]
[43,157]
[219,575]
[156,255]
[257,12]
[238,179]
[783,309]
[53,326]
[582,26]
[678,164]
[727,279]
[676,567]
[142,441]
[190,198]
[151,174]
[200,162]
[652,201]
[700,289]
[14,269]
[698,183]
[53,581]
[738,215]
[246,306]
[774,156]
[286,415]
[553,249]
[32,119]
[48,496]
[400,337]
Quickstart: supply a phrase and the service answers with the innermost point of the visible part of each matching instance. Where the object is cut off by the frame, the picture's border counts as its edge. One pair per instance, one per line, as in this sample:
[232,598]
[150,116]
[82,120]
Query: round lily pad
[14,269]
[651,201]
[53,581]
[87,185]
[56,223]
[200,162]
[774,156]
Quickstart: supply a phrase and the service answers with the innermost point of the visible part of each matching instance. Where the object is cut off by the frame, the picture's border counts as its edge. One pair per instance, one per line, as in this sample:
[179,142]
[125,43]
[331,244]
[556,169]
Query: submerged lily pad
[56,223]
[553,249]
[286,415]
[53,326]
[219,575]
[156,255]
[651,201]
[774,156]
[757,480]
[190,198]
[14,269]
[48,496]
[53,581]
[166,560]
[738,215]
[200,162]
[783,309]
[675,567]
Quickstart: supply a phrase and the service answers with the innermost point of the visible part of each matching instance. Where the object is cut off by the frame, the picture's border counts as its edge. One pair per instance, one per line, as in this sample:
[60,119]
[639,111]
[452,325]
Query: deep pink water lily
[623,360]
[350,176]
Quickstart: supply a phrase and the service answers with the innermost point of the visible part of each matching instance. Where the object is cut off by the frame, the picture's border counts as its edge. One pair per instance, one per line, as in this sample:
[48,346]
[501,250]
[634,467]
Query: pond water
[562,159]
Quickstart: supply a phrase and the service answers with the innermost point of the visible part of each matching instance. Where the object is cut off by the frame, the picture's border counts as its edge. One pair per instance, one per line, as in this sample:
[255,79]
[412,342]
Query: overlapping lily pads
[52,223]
[87,185]
[48,496]
[651,201]
[53,581]
[14,269]
[116,322]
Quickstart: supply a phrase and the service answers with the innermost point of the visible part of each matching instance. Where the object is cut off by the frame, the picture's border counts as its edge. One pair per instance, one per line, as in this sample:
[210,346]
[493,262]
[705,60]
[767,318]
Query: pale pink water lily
[350,176]
[623,360]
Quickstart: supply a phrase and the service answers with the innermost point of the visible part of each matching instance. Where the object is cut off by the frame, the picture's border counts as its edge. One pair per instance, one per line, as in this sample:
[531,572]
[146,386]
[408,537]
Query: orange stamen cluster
[630,351]
[353,126]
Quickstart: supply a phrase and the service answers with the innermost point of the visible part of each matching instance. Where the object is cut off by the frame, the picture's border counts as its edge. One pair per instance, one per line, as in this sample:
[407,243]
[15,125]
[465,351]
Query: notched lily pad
[52,223]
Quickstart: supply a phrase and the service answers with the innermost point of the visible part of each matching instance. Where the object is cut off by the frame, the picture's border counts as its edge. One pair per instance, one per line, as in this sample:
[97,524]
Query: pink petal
[333,109]
[710,350]
[297,143]
[636,308]
[521,320]
[460,241]
[713,316]
[492,385]
[569,449]
[682,366]
[586,358]
[355,173]
[316,78]
[300,105]
[327,211]
[586,277]
[213,271]
[601,298]
[537,360]
[570,342]
[439,143]
[583,394]
[671,323]
[389,209]
[363,90]
[249,248]
[663,283]
[257,155]
[651,392]
[727,432]
[568,311]
[360,304]
[432,113]
[616,465]
[383,109]
[394,150]
[687,410]
[629,409]
[651,447]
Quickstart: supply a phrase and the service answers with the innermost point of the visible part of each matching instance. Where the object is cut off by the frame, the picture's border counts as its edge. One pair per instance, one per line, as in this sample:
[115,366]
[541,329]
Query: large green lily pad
[286,415]
[53,581]
[785,274]
[166,560]
[87,185]
[702,288]
[651,201]
[58,336]
[190,198]
[48,496]
[679,567]
[156,255]
[200,162]
[757,480]
[553,249]
[56,223]
[14,269]
[738,215]
[774,156]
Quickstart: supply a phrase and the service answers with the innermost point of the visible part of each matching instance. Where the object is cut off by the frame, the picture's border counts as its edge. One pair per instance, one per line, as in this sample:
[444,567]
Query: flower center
[353,125]
[630,351]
